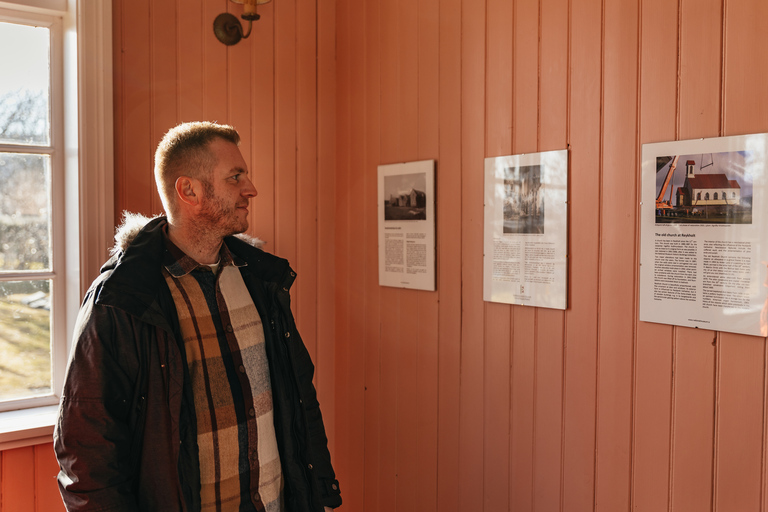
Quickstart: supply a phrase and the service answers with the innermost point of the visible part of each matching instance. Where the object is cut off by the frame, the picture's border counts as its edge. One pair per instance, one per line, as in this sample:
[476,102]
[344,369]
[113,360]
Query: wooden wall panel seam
[598,318]
[764,448]
[716,421]
[672,418]
[723,50]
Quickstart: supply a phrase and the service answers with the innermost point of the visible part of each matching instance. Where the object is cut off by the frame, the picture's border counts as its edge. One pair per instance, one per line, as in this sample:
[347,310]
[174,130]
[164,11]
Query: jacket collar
[133,279]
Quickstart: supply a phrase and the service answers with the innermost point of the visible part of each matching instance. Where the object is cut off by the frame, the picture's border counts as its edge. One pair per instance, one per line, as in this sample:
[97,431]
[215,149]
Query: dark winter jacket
[126,435]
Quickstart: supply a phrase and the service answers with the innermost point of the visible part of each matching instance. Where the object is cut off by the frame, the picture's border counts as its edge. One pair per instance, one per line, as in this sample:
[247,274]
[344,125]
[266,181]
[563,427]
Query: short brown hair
[184,151]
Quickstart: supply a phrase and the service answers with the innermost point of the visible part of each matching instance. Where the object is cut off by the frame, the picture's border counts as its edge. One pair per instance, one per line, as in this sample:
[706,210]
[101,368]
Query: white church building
[707,189]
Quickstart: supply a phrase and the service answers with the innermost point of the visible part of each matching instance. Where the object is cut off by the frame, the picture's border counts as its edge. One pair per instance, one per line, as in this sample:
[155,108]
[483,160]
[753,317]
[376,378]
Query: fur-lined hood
[134,222]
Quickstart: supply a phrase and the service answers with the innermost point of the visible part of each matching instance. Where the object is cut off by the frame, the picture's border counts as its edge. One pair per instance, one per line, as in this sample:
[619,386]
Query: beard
[220,216]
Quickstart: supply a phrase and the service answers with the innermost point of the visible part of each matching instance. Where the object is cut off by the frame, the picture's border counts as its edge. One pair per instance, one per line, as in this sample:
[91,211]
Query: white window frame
[82,127]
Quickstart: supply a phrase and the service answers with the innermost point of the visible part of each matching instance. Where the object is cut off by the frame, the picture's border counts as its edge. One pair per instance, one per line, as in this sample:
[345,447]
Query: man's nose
[248,189]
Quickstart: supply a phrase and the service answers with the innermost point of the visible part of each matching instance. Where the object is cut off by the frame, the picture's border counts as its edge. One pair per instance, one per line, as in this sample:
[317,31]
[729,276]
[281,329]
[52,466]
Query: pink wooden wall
[445,402]
[438,400]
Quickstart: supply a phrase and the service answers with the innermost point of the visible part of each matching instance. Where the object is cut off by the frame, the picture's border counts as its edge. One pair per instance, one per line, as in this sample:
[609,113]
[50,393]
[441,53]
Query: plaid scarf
[224,342]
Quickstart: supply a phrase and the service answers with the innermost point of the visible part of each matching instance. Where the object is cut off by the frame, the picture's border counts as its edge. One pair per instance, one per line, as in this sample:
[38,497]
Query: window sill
[27,427]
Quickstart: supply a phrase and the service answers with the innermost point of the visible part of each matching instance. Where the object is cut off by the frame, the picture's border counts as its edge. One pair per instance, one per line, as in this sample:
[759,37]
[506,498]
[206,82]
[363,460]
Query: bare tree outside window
[26,270]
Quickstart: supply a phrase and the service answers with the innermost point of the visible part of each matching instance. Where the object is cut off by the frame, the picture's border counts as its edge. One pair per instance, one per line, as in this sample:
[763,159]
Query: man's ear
[188,190]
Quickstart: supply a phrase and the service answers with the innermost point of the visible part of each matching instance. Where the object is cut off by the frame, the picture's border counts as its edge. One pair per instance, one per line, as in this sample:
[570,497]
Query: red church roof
[712,181]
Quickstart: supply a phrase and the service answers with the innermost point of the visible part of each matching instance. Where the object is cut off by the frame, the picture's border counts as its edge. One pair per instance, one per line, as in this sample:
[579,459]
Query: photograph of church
[714,188]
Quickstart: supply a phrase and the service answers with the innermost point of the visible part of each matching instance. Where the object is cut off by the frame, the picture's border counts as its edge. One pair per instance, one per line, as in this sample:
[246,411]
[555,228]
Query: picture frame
[406,212]
[703,246]
[525,259]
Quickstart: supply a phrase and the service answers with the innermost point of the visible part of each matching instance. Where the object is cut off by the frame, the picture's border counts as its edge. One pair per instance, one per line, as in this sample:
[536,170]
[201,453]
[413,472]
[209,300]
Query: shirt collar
[179,264]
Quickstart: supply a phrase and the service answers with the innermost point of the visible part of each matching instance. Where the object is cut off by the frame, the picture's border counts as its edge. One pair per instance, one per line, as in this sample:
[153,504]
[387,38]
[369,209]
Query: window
[57,76]
[715,198]
[31,202]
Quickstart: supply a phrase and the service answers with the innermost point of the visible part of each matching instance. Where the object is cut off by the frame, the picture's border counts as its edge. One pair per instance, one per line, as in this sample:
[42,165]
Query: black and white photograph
[523,200]
[405,197]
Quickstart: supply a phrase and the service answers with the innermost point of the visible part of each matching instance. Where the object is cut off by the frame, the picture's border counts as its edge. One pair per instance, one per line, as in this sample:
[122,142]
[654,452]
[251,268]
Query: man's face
[224,205]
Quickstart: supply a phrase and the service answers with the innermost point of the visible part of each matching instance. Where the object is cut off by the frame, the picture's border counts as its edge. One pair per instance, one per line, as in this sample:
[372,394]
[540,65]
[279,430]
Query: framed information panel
[526,229]
[407,225]
[703,251]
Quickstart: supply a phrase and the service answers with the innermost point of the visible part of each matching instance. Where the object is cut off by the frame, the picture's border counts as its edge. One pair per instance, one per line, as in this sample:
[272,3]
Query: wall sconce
[227,27]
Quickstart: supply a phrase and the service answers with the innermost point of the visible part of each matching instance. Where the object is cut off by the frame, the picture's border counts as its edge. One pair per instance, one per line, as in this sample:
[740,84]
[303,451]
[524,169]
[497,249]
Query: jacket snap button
[335,487]
[229,328]
[252,412]
[309,466]
[242,369]
[287,334]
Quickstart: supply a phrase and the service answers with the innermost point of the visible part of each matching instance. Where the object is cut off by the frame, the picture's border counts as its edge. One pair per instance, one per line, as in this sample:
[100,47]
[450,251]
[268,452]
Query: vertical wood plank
[134,180]
[118,105]
[344,466]
[740,422]
[239,98]
[694,411]
[498,113]
[18,483]
[741,396]
[548,411]
[428,304]
[306,170]
[189,28]
[285,129]
[745,44]
[654,347]
[550,325]
[524,140]
[553,71]
[584,195]
[652,417]
[496,415]
[617,291]
[449,261]
[262,127]
[471,397]
[390,151]
[372,362]
[163,79]
[326,218]
[360,202]
[215,87]
[408,341]
[701,63]
[407,401]
[694,367]
[47,497]
[496,388]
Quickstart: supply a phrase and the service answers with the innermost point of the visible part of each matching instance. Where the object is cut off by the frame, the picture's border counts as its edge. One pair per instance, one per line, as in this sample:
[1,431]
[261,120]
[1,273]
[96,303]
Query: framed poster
[526,229]
[703,251]
[407,225]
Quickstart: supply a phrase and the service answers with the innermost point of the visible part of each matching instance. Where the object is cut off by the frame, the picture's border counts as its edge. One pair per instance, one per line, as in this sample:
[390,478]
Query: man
[189,388]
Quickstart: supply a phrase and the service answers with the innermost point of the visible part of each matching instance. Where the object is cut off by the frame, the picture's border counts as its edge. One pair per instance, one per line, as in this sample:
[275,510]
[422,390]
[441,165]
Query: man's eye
[236,177]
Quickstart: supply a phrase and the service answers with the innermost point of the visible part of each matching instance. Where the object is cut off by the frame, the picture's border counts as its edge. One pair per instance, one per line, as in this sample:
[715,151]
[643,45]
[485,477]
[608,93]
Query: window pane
[24,84]
[25,339]
[25,212]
